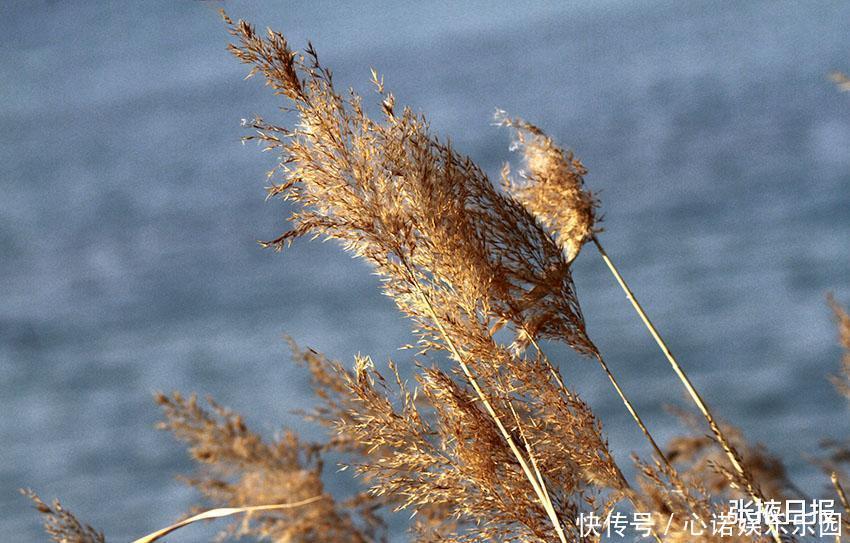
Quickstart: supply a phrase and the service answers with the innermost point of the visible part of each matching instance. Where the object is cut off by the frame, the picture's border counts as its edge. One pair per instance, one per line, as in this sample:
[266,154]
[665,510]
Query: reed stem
[689,387]
[222,512]
[626,485]
[630,408]
[541,493]
[632,411]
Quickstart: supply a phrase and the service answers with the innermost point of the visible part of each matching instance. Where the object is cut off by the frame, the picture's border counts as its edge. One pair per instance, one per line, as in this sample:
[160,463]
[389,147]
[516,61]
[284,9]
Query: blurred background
[129,214]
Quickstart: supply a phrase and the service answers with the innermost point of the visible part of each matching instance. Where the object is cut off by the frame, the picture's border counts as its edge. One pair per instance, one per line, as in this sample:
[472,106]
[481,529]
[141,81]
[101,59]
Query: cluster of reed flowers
[492,446]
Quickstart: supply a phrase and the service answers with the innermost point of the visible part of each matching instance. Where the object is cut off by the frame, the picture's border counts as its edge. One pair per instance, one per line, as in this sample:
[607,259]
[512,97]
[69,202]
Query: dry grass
[492,446]
[552,186]
[61,525]
[553,189]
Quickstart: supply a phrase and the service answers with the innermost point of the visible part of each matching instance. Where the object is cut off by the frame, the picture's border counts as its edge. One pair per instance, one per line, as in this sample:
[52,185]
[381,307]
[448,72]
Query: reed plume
[556,176]
[239,468]
[493,446]
[458,257]
[553,190]
[61,525]
[553,187]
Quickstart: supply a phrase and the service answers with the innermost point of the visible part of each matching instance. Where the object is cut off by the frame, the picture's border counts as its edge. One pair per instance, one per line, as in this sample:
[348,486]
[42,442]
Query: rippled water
[129,212]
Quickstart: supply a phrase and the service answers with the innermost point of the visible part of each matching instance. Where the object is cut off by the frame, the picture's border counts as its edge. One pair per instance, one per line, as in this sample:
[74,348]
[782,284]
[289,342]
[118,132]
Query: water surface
[129,215]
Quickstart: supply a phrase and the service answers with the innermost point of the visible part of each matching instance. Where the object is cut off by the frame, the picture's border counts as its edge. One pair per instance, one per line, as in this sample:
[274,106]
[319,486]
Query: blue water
[129,212]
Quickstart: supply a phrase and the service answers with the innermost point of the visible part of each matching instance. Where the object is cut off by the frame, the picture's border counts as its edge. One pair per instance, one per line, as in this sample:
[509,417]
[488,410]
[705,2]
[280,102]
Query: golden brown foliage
[699,481]
[61,525]
[237,467]
[554,191]
[494,447]
[552,187]
[426,217]
[457,256]
[702,464]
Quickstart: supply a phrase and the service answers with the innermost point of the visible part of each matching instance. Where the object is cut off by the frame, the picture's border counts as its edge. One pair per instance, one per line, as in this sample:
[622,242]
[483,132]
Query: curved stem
[222,512]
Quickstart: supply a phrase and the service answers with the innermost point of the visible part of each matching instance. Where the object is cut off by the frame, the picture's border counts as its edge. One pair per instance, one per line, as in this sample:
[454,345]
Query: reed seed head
[551,186]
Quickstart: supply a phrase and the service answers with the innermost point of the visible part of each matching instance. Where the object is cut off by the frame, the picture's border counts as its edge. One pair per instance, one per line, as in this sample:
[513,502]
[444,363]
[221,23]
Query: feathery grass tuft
[486,442]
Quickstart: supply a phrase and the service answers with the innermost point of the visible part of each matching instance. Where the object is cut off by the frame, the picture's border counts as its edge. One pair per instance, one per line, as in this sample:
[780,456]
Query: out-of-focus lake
[129,213]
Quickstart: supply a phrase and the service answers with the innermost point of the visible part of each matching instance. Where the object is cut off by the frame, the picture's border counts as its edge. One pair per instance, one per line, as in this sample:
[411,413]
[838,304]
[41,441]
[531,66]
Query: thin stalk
[557,376]
[617,388]
[692,392]
[540,480]
[540,492]
[222,512]
[631,410]
[841,495]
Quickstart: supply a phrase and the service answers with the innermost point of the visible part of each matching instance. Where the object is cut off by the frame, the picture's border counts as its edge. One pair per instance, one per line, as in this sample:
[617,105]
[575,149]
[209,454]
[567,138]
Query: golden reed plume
[486,442]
